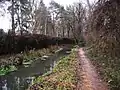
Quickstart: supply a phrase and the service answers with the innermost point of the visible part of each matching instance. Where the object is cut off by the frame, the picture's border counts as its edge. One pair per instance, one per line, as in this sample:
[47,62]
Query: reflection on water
[21,79]
[18,84]
[22,83]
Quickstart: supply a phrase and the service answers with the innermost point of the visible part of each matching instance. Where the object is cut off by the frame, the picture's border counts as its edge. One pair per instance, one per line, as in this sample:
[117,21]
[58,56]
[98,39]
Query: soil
[88,78]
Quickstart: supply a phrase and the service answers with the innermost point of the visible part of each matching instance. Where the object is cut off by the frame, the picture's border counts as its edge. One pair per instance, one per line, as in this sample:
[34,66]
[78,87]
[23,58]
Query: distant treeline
[15,44]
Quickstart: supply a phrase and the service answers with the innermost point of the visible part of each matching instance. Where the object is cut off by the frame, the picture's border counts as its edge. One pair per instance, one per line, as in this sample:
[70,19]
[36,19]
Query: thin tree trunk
[53,33]
[88,2]
[13,22]
[46,26]
[63,32]
[68,32]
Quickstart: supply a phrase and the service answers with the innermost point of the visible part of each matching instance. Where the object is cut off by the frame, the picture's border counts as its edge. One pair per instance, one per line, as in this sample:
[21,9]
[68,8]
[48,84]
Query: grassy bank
[11,63]
[109,68]
[63,76]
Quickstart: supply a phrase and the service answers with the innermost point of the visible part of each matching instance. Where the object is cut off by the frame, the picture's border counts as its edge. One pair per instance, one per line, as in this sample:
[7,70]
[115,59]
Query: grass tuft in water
[5,70]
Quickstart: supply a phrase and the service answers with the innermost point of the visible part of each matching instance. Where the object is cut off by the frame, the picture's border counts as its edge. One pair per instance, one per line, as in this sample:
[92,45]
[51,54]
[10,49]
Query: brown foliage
[104,27]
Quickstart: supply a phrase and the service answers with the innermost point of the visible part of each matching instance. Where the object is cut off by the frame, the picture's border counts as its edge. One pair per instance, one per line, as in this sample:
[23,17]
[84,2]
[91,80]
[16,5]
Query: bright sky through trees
[5,20]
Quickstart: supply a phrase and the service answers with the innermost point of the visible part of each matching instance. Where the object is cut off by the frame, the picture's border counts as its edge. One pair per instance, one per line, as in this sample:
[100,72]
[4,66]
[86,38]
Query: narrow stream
[22,78]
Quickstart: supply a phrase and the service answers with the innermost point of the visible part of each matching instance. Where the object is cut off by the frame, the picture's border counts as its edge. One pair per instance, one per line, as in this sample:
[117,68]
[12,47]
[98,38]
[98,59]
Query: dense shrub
[18,43]
[103,40]
[104,28]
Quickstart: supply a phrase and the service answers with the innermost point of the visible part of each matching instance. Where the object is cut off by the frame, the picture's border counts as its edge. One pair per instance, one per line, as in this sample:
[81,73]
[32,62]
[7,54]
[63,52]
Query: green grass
[108,67]
[5,70]
[63,76]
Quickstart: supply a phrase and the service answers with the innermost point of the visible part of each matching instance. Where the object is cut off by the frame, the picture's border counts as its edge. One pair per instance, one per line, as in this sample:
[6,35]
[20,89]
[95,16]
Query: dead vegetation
[104,28]
[103,33]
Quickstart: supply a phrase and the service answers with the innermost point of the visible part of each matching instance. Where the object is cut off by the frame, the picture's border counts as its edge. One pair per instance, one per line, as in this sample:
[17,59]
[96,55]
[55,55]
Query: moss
[63,76]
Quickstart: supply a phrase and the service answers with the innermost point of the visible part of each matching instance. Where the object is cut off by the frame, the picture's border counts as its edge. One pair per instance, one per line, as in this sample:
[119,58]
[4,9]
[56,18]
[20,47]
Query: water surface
[22,78]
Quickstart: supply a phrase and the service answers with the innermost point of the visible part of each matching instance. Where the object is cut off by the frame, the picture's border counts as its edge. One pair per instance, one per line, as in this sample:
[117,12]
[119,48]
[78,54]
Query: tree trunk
[63,32]
[88,2]
[46,26]
[68,33]
[53,33]
[13,22]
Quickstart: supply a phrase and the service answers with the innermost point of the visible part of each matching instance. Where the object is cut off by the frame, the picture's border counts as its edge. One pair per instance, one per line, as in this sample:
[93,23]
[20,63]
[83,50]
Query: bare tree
[12,15]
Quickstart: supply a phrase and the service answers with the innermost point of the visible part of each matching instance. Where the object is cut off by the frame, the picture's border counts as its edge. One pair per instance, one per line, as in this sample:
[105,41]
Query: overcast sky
[66,2]
[4,21]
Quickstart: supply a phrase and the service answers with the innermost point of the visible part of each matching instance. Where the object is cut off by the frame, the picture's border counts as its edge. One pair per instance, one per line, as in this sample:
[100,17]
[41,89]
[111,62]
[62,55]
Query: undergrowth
[63,76]
[108,67]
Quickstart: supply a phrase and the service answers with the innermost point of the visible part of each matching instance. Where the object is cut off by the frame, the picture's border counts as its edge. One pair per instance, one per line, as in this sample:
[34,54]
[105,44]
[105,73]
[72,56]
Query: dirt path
[89,78]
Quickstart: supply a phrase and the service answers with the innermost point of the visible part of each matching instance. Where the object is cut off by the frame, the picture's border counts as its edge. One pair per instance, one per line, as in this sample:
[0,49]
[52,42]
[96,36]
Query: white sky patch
[67,2]
[5,20]
[62,2]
